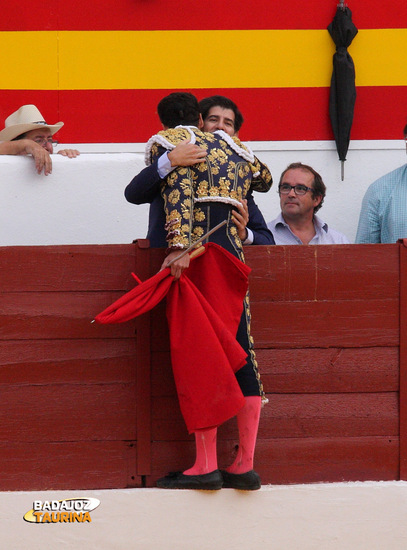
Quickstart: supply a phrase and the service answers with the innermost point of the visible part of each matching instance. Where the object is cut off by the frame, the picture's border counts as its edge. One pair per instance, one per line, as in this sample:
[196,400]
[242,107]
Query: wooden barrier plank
[307,370]
[299,415]
[37,466]
[329,370]
[343,276]
[66,268]
[312,460]
[50,315]
[74,412]
[325,324]
[329,415]
[335,323]
[285,273]
[67,361]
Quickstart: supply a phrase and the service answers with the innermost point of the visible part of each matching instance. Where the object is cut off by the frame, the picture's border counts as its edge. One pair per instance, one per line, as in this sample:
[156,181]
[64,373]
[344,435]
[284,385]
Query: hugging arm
[144,187]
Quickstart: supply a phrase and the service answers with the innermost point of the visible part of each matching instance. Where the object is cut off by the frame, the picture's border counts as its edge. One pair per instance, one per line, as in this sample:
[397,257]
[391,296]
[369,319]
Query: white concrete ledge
[82,201]
[338,516]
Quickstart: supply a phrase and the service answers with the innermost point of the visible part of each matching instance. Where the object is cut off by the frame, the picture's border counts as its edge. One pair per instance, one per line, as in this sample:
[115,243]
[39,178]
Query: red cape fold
[203,309]
[139,300]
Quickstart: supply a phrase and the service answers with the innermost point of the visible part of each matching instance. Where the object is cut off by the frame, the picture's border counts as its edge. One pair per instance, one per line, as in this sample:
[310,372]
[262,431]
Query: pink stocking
[247,423]
[206,459]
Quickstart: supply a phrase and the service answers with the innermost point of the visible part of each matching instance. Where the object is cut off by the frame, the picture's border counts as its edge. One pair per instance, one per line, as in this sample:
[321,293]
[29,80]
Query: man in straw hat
[27,133]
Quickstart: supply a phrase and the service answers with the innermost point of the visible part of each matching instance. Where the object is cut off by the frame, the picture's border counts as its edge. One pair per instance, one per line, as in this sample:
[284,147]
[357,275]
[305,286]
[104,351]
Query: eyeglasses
[285,189]
[45,141]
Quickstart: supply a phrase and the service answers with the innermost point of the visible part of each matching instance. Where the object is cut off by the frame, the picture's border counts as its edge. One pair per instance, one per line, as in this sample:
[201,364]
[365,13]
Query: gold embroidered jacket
[227,173]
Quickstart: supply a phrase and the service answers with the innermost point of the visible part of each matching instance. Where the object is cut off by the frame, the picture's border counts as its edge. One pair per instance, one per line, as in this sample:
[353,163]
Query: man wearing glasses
[302,193]
[27,133]
[383,217]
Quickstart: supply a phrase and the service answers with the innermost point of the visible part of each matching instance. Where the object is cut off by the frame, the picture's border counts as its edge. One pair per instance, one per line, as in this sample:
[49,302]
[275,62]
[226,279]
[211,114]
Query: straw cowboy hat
[23,120]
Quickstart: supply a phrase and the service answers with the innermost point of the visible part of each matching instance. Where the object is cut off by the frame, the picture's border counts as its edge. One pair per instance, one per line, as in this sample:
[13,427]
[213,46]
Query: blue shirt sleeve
[369,224]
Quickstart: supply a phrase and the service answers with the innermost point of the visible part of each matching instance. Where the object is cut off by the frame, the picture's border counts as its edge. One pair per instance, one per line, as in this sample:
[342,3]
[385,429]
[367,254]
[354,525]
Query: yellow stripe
[29,60]
[380,57]
[66,60]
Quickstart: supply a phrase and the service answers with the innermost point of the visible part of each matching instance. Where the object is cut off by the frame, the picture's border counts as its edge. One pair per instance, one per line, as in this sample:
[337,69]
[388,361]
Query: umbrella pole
[187,250]
[342,170]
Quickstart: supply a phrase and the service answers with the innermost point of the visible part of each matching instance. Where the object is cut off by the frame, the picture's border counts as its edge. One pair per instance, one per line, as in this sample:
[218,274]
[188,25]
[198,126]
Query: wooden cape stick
[187,250]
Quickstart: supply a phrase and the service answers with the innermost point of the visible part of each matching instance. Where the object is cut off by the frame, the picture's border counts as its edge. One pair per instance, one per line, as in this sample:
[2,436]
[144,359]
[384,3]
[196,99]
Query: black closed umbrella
[343,91]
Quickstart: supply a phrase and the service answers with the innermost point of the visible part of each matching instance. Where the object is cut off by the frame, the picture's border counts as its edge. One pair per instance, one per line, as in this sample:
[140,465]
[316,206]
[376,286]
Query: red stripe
[276,114]
[213,14]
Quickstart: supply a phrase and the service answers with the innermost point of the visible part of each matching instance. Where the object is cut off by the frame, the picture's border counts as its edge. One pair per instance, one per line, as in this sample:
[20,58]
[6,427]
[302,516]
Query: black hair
[178,108]
[205,105]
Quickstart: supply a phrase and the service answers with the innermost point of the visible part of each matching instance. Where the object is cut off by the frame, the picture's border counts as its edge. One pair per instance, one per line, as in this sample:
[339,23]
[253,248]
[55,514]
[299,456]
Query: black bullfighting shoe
[249,481]
[177,480]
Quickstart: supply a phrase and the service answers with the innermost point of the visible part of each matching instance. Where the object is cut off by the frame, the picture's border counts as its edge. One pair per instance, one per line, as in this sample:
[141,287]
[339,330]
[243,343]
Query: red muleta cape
[203,309]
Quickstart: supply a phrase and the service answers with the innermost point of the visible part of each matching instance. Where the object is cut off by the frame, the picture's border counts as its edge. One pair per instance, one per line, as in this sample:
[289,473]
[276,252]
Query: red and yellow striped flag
[102,66]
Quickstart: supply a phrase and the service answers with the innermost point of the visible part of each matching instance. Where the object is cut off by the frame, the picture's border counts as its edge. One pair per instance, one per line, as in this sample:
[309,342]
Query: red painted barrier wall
[88,406]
